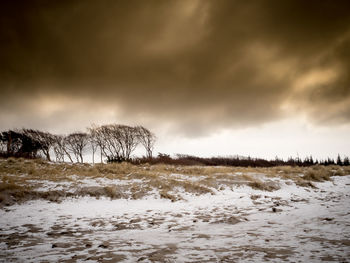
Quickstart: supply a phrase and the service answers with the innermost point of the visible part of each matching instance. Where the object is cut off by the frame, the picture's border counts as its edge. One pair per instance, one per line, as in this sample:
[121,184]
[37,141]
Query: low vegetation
[25,179]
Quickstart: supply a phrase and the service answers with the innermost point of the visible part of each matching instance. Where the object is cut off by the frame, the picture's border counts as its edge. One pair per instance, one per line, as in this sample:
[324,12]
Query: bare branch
[147,139]
[76,144]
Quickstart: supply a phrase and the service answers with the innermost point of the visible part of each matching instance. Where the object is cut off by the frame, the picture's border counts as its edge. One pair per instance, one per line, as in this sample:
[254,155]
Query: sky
[254,77]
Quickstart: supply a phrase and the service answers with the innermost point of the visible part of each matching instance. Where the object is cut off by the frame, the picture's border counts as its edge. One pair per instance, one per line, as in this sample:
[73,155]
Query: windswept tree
[147,139]
[76,144]
[3,143]
[116,142]
[19,144]
[94,142]
[98,137]
[45,139]
[128,140]
[60,149]
[121,141]
[111,137]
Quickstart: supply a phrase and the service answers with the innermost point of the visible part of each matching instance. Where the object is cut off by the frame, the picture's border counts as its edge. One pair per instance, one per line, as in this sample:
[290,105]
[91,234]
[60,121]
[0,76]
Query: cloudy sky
[253,77]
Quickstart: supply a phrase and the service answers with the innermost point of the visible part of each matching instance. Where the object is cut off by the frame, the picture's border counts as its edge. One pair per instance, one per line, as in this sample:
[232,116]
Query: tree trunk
[70,158]
[47,153]
[9,145]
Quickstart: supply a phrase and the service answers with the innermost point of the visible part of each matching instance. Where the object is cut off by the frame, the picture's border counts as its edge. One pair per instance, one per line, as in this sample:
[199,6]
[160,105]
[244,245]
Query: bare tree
[45,139]
[94,146]
[121,140]
[60,149]
[128,140]
[3,142]
[115,141]
[147,139]
[76,144]
[97,135]
[110,135]
[93,142]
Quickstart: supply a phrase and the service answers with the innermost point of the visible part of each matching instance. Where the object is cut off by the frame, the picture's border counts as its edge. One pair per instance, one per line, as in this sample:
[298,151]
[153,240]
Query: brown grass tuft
[264,186]
[165,194]
[317,174]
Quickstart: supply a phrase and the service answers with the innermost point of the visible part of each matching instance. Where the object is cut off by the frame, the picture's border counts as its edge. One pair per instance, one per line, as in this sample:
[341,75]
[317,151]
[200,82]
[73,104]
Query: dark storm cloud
[200,65]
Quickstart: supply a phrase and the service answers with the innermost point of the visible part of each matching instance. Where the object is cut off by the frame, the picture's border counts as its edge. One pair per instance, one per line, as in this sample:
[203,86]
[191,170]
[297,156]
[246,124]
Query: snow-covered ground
[237,224]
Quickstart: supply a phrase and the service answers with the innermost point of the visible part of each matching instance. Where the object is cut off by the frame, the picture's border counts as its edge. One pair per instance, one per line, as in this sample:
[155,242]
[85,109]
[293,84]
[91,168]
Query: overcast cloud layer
[196,66]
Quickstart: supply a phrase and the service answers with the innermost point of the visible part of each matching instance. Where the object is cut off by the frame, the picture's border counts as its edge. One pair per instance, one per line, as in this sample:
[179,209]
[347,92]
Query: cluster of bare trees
[26,143]
[115,142]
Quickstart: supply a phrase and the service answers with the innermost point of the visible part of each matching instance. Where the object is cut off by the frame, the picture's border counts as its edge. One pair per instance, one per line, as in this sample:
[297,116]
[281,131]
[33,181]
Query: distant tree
[311,159]
[308,161]
[94,142]
[76,144]
[339,161]
[329,161]
[45,139]
[116,141]
[3,143]
[346,161]
[99,137]
[111,137]
[59,152]
[19,144]
[12,140]
[147,139]
[60,149]
[128,140]
[164,156]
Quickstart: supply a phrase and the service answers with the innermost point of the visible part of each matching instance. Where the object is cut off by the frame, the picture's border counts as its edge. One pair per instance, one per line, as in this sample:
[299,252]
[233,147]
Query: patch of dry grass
[110,191]
[264,186]
[166,195]
[346,170]
[317,174]
[11,193]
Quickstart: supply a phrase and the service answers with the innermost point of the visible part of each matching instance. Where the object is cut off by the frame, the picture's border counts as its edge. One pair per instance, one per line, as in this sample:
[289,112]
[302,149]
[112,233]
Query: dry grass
[166,195]
[318,174]
[264,186]
[20,177]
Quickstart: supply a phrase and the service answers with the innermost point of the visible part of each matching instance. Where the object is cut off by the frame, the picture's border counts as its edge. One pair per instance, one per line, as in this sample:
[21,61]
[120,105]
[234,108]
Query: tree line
[184,159]
[115,143]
